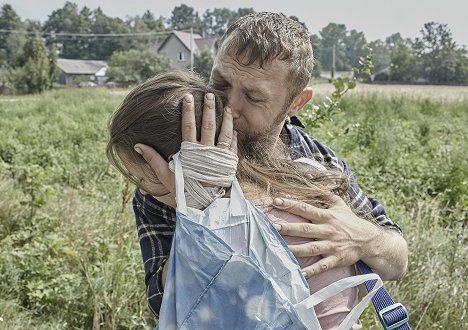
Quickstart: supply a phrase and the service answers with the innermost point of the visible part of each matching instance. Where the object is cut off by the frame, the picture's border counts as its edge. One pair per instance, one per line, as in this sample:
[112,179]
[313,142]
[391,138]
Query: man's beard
[258,145]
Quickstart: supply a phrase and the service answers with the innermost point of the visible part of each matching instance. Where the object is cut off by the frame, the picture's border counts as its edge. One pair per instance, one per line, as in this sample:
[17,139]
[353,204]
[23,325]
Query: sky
[376,18]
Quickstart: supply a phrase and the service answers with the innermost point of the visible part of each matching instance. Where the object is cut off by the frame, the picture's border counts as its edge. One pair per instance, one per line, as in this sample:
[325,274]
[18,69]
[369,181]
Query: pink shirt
[332,311]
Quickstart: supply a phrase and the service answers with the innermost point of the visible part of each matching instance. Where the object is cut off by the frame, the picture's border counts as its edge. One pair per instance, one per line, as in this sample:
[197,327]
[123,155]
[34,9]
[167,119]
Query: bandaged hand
[227,140]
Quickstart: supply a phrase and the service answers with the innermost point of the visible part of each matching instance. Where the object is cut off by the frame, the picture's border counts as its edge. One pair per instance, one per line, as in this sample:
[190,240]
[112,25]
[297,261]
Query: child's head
[151,114]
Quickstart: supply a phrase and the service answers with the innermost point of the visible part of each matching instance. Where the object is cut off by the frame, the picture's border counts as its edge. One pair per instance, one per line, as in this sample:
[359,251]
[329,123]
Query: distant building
[328,75]
[74,71]
[177,47]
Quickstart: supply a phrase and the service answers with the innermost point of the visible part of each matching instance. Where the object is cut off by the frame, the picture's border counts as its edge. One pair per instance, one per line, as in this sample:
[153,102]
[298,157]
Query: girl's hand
[227,139]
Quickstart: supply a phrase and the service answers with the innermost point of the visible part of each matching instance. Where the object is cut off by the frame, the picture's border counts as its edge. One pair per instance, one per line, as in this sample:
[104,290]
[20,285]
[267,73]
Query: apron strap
[179,184]
[303,308]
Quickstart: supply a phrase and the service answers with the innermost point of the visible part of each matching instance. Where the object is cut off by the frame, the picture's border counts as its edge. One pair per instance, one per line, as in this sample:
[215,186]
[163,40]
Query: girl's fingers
[208,129]
[226,134]
[234,143]
[189,129]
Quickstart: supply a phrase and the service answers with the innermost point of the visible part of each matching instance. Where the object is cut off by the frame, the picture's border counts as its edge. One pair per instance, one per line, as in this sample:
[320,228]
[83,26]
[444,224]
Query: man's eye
[220,85]
[253,99]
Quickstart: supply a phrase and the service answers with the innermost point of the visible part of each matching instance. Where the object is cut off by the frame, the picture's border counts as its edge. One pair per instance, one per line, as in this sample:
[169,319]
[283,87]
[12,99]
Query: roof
[205,42]
[198,42]
[80,66]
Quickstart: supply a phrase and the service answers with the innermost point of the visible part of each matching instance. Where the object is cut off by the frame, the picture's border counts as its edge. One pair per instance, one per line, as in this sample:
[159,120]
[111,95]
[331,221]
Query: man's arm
[343,238]
[155,226]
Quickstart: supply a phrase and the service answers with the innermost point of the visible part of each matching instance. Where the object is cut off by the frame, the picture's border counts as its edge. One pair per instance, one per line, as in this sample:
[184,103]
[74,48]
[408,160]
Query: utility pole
[191,49]
[333,62]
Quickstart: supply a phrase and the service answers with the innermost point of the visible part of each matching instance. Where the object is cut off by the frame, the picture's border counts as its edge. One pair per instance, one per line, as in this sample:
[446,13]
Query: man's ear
[300,100]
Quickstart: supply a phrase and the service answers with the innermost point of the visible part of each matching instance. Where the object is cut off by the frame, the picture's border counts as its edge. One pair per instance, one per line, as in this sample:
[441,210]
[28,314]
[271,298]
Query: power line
[86,35]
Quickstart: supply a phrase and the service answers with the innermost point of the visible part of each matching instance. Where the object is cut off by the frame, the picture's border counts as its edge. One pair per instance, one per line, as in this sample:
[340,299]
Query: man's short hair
[260,38]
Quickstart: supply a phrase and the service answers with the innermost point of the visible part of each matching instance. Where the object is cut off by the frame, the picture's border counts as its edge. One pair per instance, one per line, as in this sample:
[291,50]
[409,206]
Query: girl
[151,114]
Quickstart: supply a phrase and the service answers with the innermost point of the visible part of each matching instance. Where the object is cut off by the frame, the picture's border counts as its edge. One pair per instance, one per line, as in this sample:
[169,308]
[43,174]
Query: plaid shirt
[156,221]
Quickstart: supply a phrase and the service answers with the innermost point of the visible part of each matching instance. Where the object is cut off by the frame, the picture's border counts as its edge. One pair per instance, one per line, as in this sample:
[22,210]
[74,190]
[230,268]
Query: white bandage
[207,171]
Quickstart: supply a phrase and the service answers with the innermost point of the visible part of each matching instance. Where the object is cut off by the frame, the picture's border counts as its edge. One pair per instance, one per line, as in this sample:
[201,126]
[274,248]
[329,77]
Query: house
[177,47]
[74,71]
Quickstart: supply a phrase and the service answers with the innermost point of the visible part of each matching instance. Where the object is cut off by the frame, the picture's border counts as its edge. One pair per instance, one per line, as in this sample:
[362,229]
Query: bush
[134,66]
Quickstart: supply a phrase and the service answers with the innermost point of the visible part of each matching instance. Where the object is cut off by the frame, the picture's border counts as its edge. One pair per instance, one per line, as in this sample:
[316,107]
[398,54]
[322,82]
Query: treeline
[434,57]
[28,48]
[91,34]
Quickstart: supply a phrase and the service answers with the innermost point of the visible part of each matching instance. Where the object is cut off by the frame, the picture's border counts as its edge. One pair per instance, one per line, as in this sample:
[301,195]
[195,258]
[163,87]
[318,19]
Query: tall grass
[410,153]
[70,255]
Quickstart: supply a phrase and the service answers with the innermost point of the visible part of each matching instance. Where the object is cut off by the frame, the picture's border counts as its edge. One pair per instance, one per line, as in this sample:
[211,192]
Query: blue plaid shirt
[156,221]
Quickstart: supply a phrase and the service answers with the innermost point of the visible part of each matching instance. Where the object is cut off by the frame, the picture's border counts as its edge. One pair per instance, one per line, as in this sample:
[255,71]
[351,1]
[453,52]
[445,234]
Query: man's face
[256,95]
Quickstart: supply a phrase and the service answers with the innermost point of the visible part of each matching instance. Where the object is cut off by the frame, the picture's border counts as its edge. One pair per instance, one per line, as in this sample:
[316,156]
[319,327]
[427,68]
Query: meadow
[70,257]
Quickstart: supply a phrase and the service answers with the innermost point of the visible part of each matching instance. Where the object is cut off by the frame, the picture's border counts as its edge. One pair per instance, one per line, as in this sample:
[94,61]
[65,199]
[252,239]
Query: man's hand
[227,139]
[342,239]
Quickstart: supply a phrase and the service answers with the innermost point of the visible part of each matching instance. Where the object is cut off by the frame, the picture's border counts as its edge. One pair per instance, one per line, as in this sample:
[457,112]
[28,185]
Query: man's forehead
[250,85]
[251,76]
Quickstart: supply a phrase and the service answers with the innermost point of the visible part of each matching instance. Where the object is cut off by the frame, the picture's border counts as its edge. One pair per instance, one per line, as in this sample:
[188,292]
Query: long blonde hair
[151,114]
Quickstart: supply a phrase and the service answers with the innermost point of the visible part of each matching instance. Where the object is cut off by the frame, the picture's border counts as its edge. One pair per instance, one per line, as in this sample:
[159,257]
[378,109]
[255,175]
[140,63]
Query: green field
[70,257]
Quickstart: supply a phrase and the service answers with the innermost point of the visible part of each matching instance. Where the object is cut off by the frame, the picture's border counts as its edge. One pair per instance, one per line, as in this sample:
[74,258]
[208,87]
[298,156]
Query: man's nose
[234,104]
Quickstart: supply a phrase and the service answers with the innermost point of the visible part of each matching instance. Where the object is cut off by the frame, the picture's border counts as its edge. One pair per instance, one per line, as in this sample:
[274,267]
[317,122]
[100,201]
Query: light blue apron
[230,269]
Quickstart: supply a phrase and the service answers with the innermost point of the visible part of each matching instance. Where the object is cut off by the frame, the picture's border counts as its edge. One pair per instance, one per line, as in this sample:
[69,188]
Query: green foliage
[74,262]
[102,49]
[70,256]
[203,62]
[185,17]
[314,115]
[349,47]
[441,60]
[11,45]
[133,66]
[13,80]
[36,65]
[69,19]
[216,21]
[407,153]
[403,65]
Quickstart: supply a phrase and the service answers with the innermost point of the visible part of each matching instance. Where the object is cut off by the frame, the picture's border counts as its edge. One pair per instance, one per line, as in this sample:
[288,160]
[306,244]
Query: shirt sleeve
[155,223]
[361,202]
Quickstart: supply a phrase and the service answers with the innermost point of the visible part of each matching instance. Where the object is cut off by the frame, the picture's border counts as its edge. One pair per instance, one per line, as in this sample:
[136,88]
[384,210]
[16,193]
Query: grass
[70,254]
[409,152]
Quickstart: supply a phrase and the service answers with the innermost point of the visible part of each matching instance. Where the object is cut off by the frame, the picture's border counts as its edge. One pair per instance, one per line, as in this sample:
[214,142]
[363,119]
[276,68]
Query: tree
[438,53]
[134,66]
[355,47]
[381,55]
[394,40]
[36,65]
[403,63]
[102,48]
[316,46]
[151,23]
[11,44]
[185,17]
[333,35]
[462,66]
[70,20]
[217,21]
[146,24]
[203,63]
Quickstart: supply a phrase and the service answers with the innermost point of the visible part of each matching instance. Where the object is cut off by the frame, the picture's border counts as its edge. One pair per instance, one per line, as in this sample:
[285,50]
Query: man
[264,64]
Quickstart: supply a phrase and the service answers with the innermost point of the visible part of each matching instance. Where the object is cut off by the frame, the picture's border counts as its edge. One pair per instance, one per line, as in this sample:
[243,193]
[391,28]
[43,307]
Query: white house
[177,47]
[85,69]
